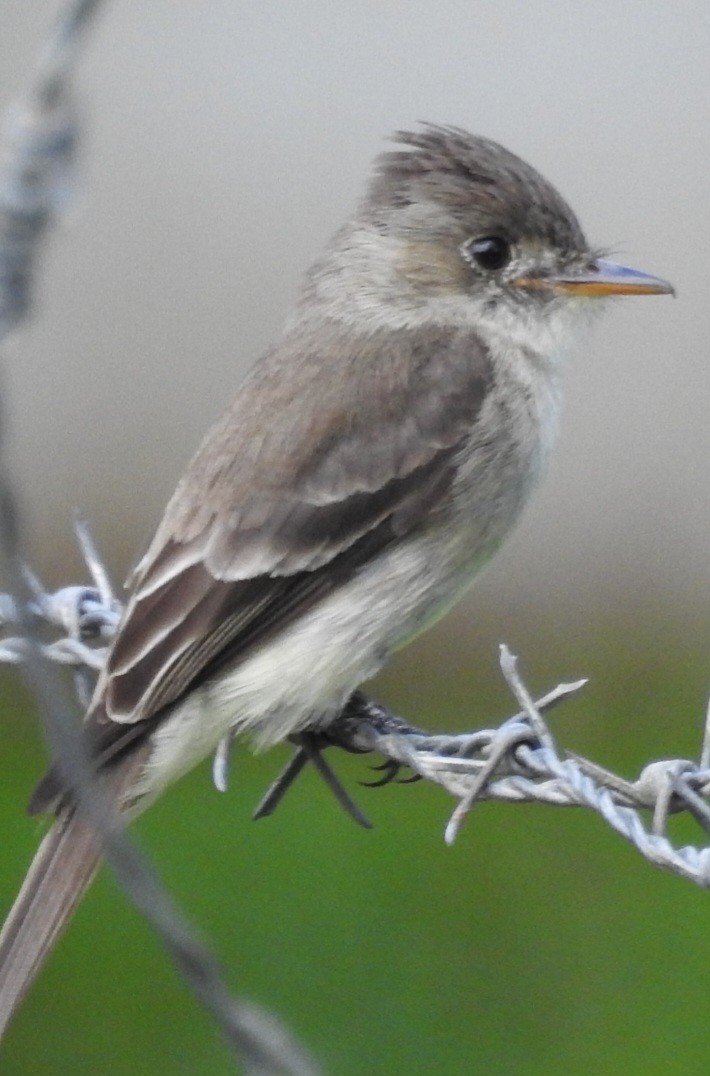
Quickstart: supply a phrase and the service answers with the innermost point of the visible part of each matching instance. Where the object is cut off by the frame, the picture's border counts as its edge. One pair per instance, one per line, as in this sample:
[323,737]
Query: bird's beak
[600,278]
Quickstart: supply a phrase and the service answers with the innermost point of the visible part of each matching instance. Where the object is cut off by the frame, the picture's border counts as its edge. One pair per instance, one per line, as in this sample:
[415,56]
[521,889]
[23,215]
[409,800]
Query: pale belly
[302,677]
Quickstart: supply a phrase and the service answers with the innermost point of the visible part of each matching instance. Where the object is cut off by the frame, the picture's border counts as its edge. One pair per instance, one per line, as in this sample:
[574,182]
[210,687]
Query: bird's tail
[60,872]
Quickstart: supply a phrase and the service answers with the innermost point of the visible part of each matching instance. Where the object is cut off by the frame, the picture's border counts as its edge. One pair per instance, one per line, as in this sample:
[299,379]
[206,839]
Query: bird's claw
[391,769]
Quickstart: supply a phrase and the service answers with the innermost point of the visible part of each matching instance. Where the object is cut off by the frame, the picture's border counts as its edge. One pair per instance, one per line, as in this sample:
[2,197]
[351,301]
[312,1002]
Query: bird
[373,460]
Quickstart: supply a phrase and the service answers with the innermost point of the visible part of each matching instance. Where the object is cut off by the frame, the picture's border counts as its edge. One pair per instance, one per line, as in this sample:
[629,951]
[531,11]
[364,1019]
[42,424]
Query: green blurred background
[223,142]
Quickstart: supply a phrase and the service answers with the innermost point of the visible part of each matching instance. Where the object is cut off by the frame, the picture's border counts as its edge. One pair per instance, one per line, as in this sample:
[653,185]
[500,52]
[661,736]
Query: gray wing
[328,454]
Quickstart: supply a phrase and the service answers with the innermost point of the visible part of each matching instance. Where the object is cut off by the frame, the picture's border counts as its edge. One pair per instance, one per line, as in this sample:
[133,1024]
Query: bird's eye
[490,252]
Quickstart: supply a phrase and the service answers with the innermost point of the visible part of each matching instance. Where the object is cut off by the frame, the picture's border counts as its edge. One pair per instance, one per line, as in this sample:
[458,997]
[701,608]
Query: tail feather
[60,872]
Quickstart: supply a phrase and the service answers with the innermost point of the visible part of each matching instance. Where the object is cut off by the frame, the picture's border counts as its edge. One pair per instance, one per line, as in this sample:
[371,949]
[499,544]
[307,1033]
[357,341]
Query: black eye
[491,252]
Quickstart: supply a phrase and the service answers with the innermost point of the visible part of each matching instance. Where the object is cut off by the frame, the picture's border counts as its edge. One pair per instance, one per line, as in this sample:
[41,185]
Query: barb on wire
[36,159]
[516,762]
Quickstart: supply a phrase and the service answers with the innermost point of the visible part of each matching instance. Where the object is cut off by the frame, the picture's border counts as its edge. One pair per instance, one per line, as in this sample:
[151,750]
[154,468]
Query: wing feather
[358,447]
[284,513]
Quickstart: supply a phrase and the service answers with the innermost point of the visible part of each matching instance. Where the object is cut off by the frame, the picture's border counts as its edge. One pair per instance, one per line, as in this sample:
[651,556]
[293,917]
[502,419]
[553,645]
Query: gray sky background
[224,141]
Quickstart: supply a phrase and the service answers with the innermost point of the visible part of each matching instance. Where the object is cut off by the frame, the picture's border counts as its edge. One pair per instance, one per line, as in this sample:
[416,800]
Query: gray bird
[373,460]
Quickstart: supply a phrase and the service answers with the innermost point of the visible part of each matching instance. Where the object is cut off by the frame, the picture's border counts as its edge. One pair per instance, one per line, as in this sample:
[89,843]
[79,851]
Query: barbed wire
[516,762]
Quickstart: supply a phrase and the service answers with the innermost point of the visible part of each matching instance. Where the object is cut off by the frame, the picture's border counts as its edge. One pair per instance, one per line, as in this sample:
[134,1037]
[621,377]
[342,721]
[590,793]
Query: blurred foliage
[539,943]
